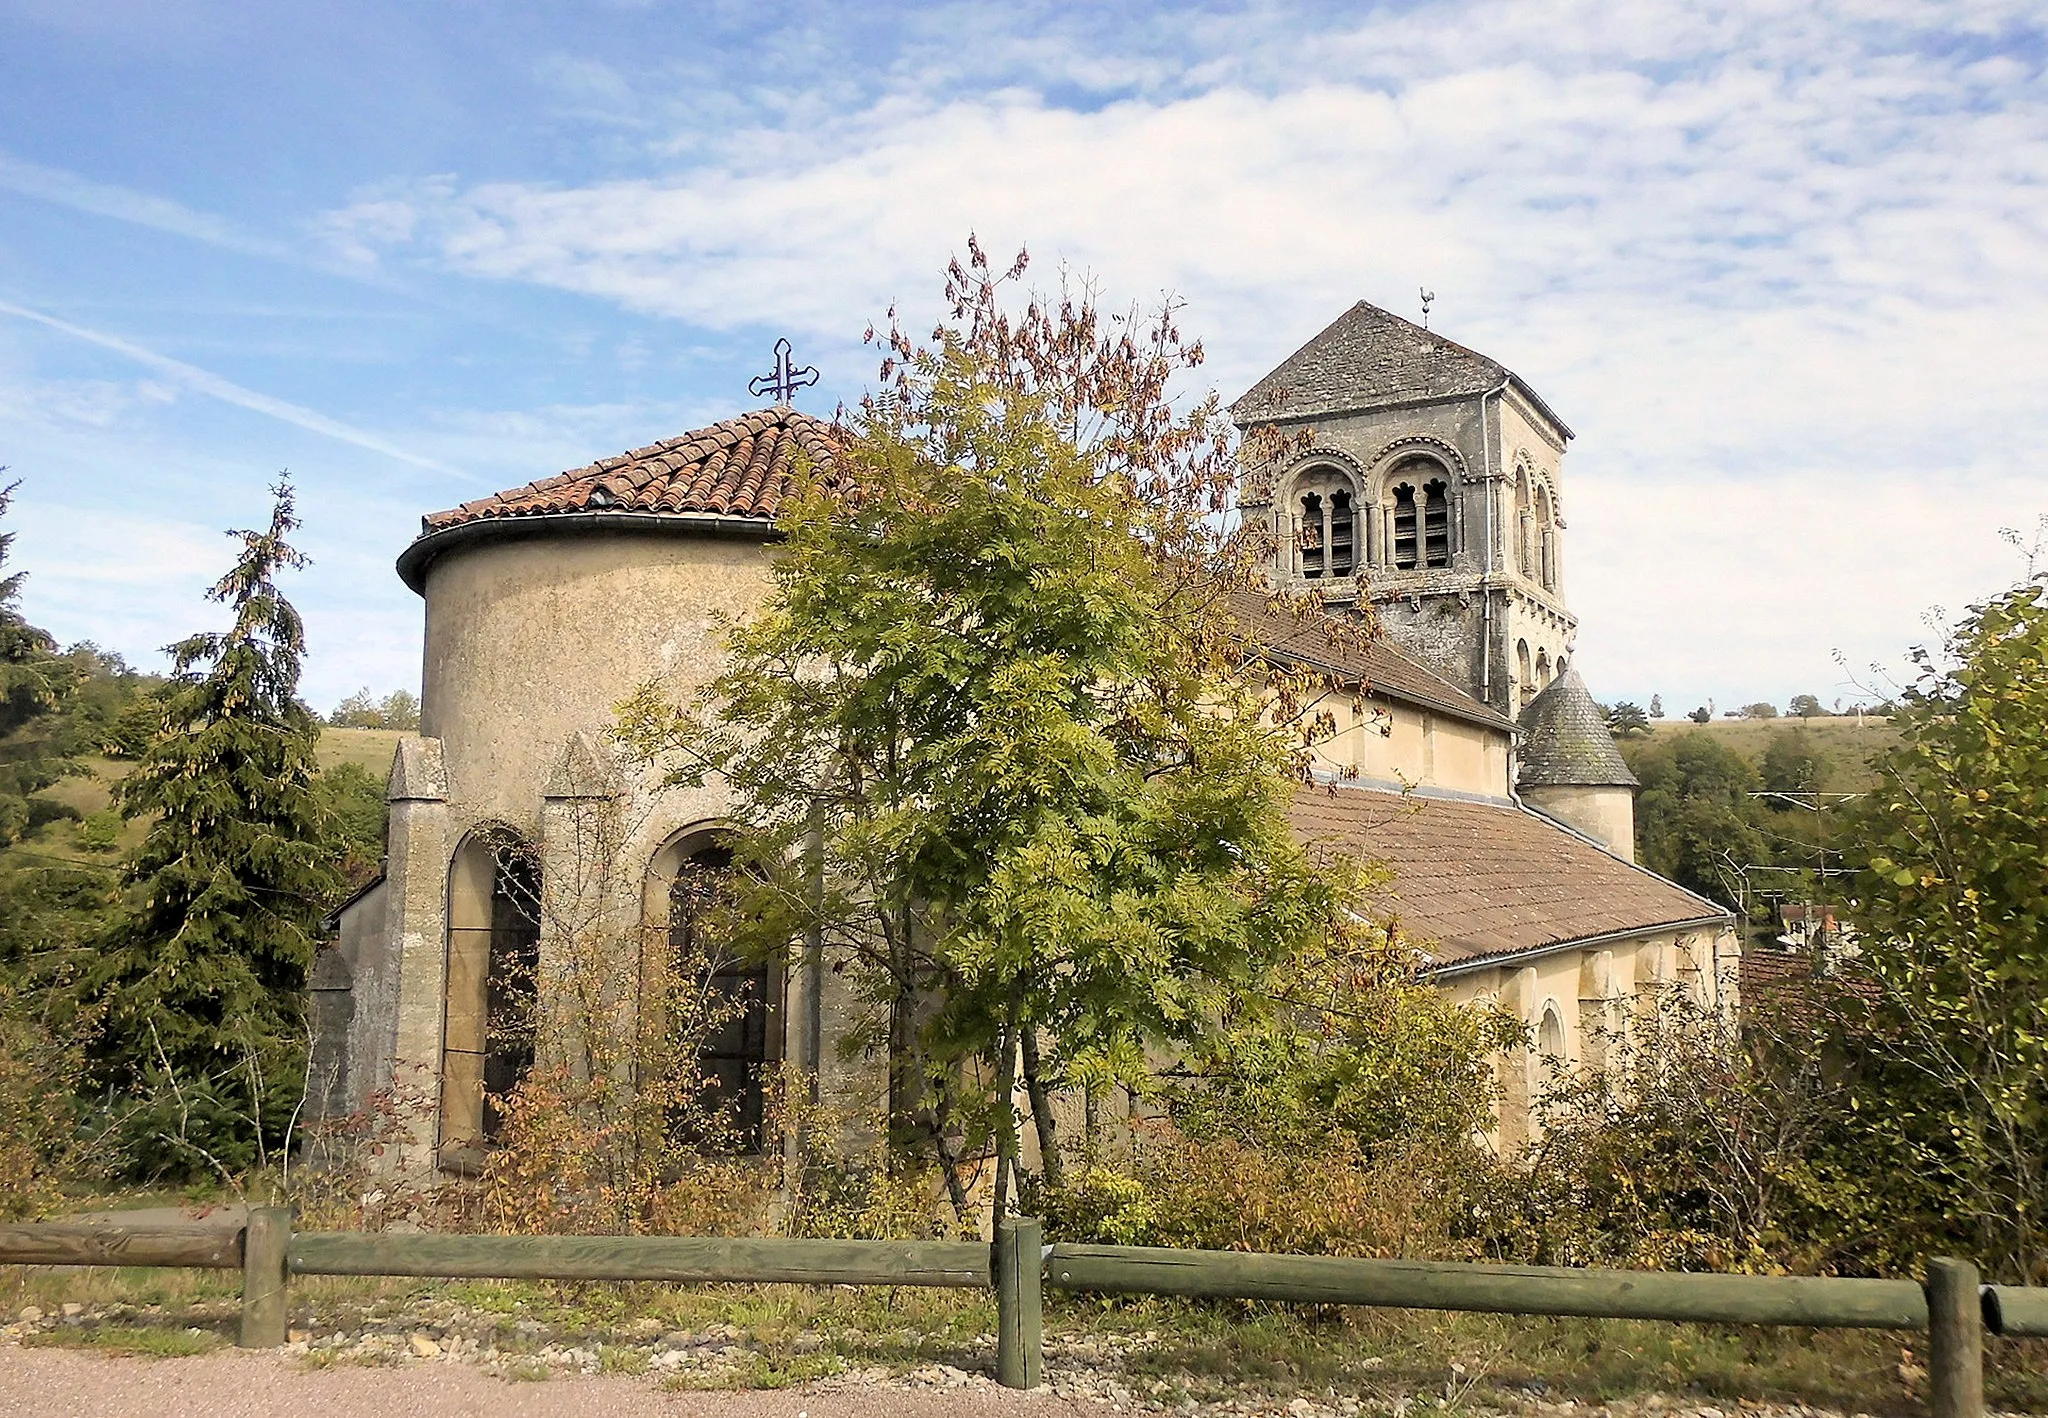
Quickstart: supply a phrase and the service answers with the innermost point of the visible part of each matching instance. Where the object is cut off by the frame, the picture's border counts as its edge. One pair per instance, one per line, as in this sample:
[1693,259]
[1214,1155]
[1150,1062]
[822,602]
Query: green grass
[145,1341]
[372,748]
[1174,1349]
[93,791]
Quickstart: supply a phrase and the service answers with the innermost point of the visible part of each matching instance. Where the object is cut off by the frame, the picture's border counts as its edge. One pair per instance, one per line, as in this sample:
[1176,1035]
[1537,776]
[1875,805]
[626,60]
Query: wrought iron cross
[786,379]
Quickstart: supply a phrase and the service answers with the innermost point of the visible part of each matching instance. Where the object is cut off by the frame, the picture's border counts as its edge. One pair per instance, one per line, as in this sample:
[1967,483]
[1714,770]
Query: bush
[100,832]
[1333,1199]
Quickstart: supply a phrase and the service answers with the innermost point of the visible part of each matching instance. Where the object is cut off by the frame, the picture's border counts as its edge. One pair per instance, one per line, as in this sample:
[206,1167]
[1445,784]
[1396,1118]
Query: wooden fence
[1952,1306]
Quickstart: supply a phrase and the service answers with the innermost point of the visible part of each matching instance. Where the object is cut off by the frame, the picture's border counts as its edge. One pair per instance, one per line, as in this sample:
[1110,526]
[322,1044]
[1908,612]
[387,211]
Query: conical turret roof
[1565,741]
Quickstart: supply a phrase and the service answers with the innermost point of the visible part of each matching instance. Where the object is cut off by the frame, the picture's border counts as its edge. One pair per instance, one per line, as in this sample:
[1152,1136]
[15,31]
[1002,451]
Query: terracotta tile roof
[1369,358]
[1478,879]
[743,467]
[1376,664]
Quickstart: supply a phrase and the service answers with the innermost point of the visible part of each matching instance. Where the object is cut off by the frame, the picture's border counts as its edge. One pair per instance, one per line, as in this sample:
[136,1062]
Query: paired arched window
[1525,671]
[1326,523]
[491,986]
[1422,525]
[724,1005]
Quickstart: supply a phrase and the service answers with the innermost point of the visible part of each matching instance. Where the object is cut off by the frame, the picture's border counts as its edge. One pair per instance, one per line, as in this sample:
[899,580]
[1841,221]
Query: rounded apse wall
[532,637]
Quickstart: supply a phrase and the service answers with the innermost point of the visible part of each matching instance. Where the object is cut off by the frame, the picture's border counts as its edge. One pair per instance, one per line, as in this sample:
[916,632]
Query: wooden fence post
[264,1242]
[1019,1274]
[1955,1325]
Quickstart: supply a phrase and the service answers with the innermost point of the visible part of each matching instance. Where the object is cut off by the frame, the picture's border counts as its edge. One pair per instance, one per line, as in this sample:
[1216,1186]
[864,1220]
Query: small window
[1436,525]
[1404,528]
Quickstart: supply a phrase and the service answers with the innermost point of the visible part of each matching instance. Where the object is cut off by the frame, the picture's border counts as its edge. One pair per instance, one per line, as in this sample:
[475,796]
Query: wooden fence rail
[1497,1289]
[1952,1306]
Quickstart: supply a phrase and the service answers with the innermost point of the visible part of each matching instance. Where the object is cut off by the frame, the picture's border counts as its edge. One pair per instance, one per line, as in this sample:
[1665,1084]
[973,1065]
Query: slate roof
[1565,741]
[743,467]
[1375,664]
[1475,881]
[1370,358]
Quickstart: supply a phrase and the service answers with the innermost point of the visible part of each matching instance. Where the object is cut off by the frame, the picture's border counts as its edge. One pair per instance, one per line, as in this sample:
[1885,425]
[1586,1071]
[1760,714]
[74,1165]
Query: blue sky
[1783,266]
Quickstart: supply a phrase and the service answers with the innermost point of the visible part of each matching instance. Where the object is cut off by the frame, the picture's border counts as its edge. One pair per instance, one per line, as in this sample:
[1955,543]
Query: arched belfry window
[1405,526]
[1343,534]
[1436,524]
[1314,550]
[491,997]
[1546,525]
[725,1005]
[1326,527]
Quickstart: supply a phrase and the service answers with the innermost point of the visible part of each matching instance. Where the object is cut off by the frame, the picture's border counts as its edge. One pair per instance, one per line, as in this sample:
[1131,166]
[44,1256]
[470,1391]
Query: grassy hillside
[1847,744]
[372,748]
[93,791]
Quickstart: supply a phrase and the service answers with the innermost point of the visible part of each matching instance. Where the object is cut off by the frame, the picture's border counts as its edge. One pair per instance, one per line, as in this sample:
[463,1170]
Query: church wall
[1592,991]
[1397,742]
[1607,815]
[529,645]
[528,641]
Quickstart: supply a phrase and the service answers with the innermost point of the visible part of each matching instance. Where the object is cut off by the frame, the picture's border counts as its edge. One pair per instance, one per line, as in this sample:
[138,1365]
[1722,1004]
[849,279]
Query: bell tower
[1398,469]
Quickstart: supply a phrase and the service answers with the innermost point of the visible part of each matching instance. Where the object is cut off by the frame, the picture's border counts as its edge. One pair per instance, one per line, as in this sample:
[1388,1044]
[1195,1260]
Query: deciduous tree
[1001,749]
[1945,1021]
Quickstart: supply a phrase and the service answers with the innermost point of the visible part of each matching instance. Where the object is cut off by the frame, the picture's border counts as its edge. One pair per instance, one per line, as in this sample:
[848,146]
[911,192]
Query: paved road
[49,1383]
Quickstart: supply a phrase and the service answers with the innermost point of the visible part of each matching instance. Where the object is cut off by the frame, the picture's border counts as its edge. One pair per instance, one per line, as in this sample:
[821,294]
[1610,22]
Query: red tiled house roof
[1480,880]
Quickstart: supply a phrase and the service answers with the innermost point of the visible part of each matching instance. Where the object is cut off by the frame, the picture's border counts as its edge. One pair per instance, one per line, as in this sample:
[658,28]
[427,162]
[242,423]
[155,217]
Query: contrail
[127,205]
[202,382]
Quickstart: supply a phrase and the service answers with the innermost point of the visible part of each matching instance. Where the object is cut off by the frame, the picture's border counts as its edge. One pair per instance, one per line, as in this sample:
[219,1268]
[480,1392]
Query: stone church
[1422,478]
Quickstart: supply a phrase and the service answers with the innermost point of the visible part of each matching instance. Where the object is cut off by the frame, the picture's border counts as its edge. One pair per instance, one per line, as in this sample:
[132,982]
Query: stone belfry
[1399,468]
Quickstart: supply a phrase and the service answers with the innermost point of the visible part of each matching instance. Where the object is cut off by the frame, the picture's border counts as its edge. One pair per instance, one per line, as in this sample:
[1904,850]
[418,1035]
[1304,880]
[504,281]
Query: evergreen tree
[1626,720]
[201,986]
[35,683]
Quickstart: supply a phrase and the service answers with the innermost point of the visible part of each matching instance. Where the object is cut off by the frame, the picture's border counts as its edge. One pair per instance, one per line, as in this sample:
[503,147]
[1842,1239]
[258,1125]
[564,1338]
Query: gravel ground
[46,1383]
[444,1359]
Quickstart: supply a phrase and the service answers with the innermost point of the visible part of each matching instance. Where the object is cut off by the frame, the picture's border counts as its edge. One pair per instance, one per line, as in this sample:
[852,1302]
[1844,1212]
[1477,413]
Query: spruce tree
[202,985]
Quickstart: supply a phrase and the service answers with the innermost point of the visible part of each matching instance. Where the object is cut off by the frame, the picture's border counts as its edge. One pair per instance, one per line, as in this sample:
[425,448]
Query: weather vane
[1428,299]
[786,379]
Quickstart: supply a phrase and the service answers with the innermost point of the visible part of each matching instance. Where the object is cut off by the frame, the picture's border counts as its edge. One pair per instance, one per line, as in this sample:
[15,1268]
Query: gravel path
[49,1383]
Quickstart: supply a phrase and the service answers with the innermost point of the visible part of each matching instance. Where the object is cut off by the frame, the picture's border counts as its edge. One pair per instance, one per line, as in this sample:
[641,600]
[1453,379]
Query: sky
[1781,265]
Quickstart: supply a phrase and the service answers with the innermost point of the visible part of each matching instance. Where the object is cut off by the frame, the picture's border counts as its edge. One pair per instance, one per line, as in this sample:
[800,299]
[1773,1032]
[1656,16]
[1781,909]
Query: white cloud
[1781,265]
